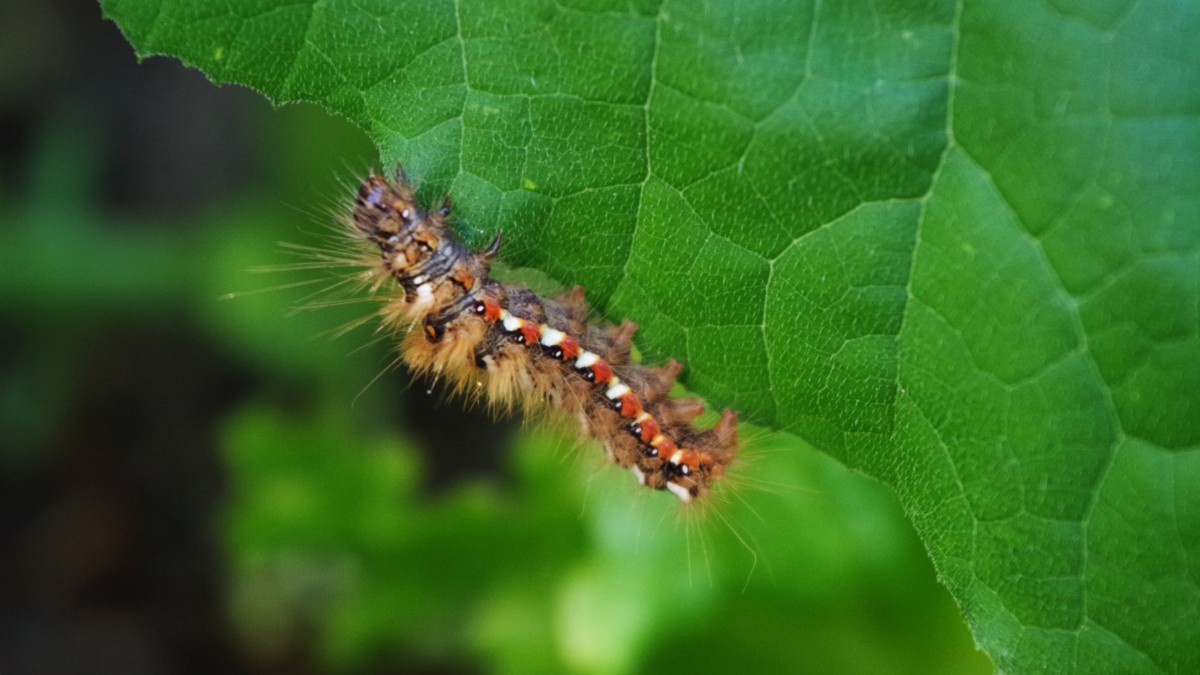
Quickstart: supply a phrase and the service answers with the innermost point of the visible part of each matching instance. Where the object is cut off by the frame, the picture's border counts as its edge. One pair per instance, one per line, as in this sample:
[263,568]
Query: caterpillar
[512,346]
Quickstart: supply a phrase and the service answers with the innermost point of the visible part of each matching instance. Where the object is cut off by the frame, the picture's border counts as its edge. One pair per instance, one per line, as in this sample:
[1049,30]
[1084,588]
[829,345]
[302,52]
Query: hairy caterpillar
[513,346]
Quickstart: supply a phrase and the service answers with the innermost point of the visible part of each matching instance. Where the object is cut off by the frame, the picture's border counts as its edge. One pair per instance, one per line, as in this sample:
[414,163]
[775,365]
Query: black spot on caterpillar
[515,347]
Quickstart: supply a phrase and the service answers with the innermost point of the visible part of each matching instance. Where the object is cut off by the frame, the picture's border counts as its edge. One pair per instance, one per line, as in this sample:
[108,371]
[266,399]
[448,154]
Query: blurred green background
[199,484]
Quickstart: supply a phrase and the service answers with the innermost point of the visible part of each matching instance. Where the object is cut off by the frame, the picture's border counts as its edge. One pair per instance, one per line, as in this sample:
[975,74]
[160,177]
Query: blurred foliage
[569,569]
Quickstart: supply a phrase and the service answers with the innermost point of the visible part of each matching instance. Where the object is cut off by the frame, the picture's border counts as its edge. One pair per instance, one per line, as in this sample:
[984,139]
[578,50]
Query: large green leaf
[954,245]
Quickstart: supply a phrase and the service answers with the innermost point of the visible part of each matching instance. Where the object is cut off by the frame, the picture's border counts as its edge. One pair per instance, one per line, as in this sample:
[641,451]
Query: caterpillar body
[512,346]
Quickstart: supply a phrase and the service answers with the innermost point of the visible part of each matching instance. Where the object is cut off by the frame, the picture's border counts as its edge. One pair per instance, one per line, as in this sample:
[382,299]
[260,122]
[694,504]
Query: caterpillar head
[387,215]
[417,249]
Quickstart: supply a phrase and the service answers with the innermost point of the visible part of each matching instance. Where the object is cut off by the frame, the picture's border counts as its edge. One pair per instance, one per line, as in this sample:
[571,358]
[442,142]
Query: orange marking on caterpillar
[629,406]
[601,373]
[664,445]
[490,311]
[644,427]
[530,333]
[570,348]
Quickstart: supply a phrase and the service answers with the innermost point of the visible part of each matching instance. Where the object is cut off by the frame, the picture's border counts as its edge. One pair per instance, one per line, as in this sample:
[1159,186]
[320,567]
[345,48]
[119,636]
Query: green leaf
[953,245]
